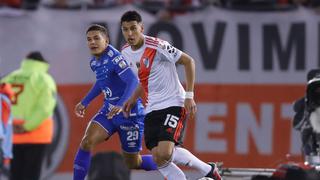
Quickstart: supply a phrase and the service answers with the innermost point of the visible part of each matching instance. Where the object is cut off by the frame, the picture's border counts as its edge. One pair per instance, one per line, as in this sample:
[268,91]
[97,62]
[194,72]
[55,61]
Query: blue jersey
[115,79]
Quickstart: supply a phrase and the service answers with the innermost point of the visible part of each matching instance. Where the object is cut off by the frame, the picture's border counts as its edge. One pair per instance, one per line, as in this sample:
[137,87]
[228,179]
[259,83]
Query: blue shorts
[130,130]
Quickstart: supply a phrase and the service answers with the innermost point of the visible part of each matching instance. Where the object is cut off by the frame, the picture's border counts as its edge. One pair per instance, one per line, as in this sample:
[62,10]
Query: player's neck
[98,56]
[138,45]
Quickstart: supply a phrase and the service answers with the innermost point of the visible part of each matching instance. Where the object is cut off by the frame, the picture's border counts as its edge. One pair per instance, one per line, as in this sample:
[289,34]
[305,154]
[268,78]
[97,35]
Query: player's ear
[142,27]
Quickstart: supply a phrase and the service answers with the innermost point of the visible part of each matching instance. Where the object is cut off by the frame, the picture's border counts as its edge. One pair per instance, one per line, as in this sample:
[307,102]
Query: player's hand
[191,107]
[114,111]
[127,106]
[79,110]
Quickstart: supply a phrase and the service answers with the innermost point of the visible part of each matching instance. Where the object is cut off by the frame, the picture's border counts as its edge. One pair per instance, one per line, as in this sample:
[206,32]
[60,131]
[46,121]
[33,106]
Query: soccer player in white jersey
[167,103]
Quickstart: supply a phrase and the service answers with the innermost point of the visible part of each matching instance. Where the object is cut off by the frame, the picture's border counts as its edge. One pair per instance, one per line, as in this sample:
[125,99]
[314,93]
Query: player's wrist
[189,95]
[82,104]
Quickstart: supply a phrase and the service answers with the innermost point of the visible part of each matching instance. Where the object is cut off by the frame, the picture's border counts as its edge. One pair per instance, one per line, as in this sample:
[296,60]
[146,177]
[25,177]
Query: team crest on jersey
[146,62]
[110,53]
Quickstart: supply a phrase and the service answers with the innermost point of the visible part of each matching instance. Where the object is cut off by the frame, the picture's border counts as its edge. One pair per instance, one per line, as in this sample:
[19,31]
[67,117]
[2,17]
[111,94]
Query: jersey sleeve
[169,52]
[120,65]
[131,84]
[94,92]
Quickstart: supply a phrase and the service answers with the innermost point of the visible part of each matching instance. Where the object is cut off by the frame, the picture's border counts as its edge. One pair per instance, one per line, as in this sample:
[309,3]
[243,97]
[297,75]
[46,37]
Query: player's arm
[81,106]
[93,93]
[189,67]
[131,84]
[131,81]
[122,68]
[132,100]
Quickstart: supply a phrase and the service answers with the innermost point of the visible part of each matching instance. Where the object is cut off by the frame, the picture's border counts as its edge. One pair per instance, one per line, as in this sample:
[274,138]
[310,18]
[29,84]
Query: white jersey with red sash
[157,73]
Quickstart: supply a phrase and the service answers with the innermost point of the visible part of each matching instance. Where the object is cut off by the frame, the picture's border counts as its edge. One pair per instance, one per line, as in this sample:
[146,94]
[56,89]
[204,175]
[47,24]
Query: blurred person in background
[116,80]
[32,107]
[11,3]
[168,104]
[6,94]
[301,121]
[85,4]
[23,4]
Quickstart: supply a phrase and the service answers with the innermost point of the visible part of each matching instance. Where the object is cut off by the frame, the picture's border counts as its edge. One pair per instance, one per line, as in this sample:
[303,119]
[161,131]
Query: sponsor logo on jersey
[128,128]
[146,62]
[107,92]
[110,53]
[122,64]
[117,59]
[132,144]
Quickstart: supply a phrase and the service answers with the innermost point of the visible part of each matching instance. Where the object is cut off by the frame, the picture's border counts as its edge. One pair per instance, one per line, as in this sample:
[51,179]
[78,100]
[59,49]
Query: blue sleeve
[94,92]
[131,81]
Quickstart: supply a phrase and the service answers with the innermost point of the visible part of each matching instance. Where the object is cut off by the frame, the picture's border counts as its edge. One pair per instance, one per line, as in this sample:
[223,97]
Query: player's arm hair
[189,68]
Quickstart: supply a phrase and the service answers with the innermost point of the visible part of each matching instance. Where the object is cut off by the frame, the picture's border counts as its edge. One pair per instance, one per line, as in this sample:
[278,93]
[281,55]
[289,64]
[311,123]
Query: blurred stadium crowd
[162,8]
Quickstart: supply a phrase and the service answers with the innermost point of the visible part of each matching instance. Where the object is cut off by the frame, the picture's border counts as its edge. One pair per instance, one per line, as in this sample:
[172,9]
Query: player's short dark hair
[131,16]
[98,27]
[36,55]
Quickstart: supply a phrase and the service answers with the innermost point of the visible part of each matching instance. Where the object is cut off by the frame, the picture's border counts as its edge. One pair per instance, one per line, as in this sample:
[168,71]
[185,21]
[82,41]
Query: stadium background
[250,67]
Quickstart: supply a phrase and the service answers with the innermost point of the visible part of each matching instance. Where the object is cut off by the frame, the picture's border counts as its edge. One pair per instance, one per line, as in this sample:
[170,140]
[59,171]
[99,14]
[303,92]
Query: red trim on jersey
[145,68]
[125,46]
[179,128]
[152,39]
[152,42]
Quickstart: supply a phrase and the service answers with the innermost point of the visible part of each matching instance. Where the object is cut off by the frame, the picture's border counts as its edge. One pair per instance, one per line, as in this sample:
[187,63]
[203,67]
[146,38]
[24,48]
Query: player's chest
[102,70]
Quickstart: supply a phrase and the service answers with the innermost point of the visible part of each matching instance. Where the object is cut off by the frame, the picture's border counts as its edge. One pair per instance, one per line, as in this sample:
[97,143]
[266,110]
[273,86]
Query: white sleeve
[169,52]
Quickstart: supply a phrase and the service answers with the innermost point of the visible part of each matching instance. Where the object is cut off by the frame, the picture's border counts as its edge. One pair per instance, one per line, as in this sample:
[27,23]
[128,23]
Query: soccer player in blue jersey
[116,80]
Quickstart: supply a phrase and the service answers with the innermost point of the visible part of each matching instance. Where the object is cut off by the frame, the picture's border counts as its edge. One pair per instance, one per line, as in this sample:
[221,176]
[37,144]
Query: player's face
[132,32]
[97,42]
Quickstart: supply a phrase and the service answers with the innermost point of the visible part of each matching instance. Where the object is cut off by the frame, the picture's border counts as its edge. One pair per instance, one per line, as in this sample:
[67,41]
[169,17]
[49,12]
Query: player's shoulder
[125,48]
[152,42]
[114,55]
[112,52]
[93,62]
[157,43]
